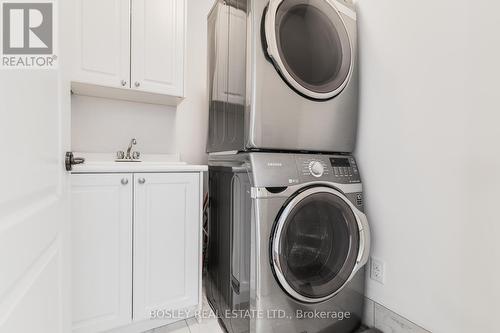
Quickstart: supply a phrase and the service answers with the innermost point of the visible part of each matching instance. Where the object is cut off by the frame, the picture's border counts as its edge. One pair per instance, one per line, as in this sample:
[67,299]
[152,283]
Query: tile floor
[191,325]
[374,314]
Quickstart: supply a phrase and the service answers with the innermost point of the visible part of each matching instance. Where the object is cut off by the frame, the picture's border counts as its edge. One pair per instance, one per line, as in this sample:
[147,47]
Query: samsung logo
[274,164]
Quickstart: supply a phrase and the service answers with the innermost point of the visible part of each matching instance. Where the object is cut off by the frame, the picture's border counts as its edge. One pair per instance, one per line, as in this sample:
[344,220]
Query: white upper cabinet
[166,242]
[102,52]
[130,49]
[158,46]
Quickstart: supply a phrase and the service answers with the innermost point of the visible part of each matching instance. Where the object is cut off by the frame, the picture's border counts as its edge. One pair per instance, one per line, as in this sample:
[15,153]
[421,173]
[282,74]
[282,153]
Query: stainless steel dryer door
[315,244]
[308,43]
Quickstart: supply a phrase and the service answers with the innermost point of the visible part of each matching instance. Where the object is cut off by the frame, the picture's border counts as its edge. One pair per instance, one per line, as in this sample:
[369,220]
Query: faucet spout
[133,142]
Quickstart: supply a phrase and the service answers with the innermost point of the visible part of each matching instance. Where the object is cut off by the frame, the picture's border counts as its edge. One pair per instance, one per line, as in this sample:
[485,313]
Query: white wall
[105,125]
[101,125]
[429,150]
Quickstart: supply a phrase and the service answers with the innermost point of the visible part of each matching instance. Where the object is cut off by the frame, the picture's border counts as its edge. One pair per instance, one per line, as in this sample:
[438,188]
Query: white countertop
[105,163]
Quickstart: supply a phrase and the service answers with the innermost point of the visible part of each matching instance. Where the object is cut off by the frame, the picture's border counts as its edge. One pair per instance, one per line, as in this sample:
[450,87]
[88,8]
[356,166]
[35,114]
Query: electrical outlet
[377,270]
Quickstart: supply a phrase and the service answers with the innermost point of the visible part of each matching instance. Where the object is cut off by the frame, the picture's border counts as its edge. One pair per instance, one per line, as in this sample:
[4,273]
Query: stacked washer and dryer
[288,239]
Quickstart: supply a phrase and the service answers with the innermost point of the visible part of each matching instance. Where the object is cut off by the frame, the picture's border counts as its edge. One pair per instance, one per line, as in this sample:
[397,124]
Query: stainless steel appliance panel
[256,105]
[227,28]
[250,197]
[283,119]
[228,272]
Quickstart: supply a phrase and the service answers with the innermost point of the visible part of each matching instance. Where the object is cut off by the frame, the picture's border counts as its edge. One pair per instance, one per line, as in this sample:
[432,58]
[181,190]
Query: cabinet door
[102,42]
[102,251]
[158,41]
[166,242]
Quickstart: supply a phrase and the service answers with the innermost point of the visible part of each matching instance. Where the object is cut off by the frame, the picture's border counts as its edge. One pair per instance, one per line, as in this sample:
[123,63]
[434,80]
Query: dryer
[282,75]
[288,243]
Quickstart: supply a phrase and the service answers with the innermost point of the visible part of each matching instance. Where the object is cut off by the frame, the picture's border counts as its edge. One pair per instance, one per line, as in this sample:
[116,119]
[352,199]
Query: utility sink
[106,158]
[127,160]
[106,162]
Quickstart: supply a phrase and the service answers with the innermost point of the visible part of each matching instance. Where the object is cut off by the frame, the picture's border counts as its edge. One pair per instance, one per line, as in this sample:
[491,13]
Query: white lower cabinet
[136,248]
[166,250]
[102,251]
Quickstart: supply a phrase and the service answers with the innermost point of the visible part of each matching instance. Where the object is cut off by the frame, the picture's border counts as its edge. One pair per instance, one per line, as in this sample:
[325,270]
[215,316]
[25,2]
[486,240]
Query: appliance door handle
[365,240]
[235,283]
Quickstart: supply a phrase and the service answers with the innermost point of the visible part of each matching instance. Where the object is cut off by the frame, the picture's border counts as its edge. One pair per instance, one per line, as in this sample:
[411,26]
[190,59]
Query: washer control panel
[344,167]
[312,167]
[336,168]
[286,169]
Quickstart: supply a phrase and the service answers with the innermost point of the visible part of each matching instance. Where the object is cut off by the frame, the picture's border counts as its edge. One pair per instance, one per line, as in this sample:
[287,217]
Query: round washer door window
[309,45]
[315,245]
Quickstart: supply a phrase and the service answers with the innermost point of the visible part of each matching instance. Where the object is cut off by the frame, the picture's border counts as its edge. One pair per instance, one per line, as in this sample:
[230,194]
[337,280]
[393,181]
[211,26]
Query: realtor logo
[27,34]
[27,28]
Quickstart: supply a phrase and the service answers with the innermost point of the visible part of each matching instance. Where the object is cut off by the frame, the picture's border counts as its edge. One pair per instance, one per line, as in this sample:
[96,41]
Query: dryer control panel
[335,168]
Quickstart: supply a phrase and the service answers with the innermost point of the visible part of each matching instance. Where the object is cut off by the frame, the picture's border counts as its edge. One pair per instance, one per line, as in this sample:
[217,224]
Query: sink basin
[128,161]
[149,159]
[106,163]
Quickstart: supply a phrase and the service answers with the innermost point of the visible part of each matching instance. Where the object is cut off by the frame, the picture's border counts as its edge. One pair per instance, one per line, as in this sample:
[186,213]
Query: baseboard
[388,321]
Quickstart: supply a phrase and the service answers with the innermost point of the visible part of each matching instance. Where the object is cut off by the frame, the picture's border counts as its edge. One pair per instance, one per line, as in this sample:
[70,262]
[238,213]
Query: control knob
[316,169]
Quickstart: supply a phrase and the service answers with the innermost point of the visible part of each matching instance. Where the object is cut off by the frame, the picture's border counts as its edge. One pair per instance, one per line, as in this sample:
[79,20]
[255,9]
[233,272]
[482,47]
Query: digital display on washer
[340,162]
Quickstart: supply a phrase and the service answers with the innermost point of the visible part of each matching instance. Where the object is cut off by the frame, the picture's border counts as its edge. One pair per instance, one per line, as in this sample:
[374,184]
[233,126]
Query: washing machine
[288,243]
[282,75]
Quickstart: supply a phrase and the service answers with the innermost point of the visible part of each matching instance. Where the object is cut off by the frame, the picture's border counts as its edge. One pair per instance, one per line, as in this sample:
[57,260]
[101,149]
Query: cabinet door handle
[137,84]
[124,83]
[124,181]
[141,181]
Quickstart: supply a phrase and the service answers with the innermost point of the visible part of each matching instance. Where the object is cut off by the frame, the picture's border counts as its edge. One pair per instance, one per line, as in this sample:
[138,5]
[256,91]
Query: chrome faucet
[131,156]
[133,142]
